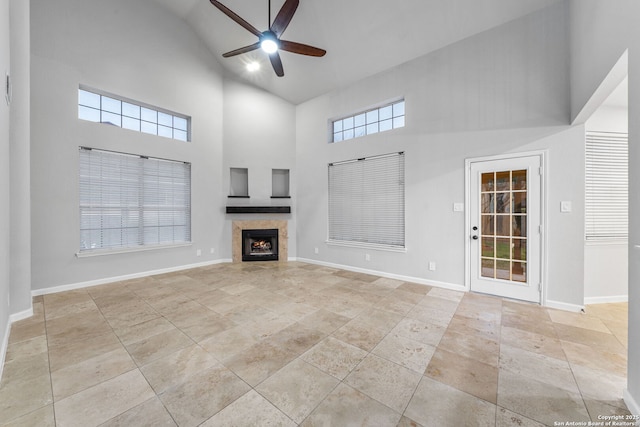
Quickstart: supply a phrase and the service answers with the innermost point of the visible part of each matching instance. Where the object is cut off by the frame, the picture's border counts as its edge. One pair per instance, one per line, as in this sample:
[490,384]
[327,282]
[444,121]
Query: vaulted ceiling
[362,37]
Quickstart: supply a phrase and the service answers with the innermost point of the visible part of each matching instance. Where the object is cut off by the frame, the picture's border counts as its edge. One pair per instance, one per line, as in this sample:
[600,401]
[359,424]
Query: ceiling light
[253,66]
[269,42]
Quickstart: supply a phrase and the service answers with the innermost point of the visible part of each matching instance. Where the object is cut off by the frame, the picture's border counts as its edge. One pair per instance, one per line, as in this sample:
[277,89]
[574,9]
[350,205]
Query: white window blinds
[606,186]
[366,200]
[129,201]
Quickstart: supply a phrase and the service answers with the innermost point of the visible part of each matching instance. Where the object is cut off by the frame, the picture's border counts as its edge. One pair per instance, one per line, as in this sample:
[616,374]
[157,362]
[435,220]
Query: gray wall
[600,33]
[259,134]
[503,91]
[20,160]
[140,51]
[5,201]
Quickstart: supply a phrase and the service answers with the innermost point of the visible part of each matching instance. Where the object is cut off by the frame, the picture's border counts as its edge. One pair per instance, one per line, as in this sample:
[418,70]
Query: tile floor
[297,344]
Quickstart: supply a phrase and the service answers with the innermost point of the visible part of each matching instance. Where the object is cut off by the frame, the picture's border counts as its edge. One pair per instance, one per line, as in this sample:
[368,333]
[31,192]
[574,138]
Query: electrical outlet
[213,250]
[315,250]
[199,252]
[367,257]
[432,266]
[565,206]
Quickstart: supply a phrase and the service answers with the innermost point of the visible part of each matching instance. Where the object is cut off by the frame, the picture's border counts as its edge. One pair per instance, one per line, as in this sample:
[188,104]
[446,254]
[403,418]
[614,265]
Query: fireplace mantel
[249,209]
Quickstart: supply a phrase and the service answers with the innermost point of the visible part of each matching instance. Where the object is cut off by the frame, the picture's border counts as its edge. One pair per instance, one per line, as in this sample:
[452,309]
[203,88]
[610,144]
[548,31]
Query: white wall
[259,134]
[5,201]
[140,51]
[606,264]
[505,90]
[600,33]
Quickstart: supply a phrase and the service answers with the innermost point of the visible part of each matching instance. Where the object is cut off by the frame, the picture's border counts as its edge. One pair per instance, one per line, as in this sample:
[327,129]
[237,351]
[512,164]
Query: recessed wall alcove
[266,224]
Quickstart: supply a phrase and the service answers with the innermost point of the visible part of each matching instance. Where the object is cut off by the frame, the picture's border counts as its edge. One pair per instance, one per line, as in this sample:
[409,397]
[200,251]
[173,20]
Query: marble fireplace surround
[261,224]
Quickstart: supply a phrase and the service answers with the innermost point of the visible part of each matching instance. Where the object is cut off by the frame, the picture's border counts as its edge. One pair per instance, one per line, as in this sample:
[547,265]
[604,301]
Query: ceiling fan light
[269,45]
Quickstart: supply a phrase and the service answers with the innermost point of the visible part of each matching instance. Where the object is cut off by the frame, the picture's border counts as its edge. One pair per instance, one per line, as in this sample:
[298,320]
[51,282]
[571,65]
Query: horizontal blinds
[129,201]
[366,200]
[606,186]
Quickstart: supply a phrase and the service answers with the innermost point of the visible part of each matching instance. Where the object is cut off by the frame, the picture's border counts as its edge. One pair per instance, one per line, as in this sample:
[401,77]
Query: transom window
[387,117]
[99,107]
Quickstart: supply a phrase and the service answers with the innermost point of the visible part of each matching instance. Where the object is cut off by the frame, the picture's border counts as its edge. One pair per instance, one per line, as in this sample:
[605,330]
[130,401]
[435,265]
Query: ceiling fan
[270,40]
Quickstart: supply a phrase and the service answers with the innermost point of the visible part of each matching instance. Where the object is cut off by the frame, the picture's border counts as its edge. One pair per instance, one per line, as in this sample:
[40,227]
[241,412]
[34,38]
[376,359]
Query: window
[381,119]
[99,107]
[606,186]
[366,201]
[129,201]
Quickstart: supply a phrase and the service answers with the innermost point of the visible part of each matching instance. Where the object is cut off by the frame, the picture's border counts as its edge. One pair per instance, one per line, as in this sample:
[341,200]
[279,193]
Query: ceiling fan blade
[284,16]
[276,62]
[302,49]
[242,50]
[231,14]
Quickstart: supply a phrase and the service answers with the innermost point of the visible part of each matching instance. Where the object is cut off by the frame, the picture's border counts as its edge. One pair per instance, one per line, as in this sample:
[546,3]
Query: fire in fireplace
[260,245]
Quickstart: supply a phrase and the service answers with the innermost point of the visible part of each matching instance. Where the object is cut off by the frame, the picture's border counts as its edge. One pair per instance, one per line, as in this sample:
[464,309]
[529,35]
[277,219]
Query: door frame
[543,154]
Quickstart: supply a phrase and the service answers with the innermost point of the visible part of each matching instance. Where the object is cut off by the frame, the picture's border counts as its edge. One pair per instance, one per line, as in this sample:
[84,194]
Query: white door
[505,217]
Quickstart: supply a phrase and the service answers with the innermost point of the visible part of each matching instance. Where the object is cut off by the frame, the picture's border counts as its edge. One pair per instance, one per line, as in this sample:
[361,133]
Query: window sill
[607,242]
[101,252]
[376,246]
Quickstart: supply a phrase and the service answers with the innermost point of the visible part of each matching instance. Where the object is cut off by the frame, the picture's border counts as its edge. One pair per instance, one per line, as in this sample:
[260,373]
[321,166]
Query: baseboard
[632,404]
[418,280]
[5,346]
[606,300]
[21,315]
[104,281]
[564,306]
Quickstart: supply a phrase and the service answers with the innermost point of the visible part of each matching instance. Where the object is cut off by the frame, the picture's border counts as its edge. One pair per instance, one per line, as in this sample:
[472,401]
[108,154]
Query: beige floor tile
[324,321]
[18,398]
[429,408]
[360,336]
[579,320]
[30,347]
[26,367]
[27,329]
[595,358]
[76,327]
[526,310]
[462,373]
[471,346]
[70,353]
[394,305]
[596,384]
[406,352]
[104,401]
[259,361]
[203,396]
[297,389]
[249,410]
[475,326]
[446,294]
[426,333]
[408,422]
[89,372]
[524,322]
[539,401]
[334,357]
[157,346]
[531,341]
[384,381]
[148,414]
[538,367]
[175,368]
[42,417]
[346,406]
[144,330]
[430,315]
[415,288]
[442,304]
[590,338]
[228,343]
[598,408]
[506,418]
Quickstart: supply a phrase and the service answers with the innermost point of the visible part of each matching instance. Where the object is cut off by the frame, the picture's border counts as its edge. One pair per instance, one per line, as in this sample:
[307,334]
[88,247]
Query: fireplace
[260,245]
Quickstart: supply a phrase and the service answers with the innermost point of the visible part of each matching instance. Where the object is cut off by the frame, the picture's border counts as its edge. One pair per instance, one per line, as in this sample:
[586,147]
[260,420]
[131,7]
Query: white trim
[564,306]
[544,159]
[90,283]
[606,300]
[607,242]
[4,346]
[417,280]
[631,403]
[21,315]
[375,246]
